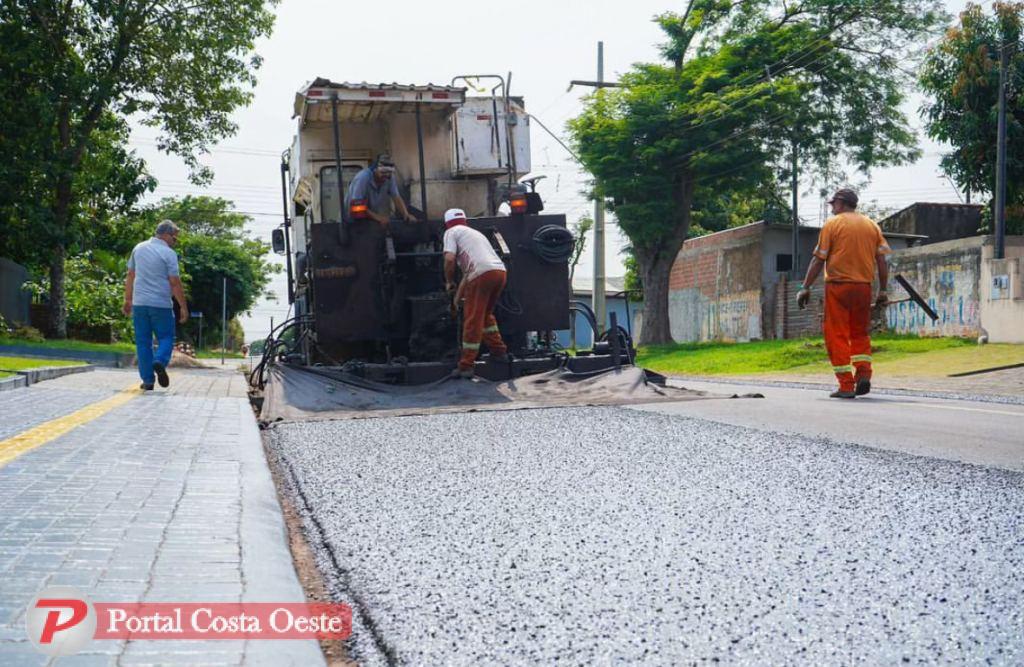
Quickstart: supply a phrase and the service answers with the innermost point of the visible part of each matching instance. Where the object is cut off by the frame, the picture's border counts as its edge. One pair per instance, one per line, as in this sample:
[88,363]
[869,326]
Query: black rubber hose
[553,244]
[588,315]
[270,345]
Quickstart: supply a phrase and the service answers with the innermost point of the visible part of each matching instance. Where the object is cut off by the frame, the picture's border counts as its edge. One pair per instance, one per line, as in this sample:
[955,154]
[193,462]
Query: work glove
[803,297]
[882,300]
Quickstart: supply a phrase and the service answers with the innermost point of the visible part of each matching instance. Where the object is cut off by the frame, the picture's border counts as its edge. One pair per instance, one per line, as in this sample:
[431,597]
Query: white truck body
[465,146]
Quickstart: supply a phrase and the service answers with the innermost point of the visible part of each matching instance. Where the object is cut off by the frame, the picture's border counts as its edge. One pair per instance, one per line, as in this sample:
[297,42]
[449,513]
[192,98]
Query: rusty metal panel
[346,282]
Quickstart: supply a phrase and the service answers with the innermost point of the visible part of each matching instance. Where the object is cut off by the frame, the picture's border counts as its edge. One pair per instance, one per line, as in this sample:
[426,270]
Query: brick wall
[715,287]
[790,321]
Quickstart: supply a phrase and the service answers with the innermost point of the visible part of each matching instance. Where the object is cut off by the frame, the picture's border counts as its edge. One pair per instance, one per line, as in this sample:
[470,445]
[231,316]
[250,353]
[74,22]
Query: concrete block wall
[948,276]
[1002,292]
[715,287]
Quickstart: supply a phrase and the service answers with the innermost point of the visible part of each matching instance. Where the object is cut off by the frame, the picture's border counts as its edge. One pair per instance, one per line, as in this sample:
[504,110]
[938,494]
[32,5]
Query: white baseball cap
[453,215]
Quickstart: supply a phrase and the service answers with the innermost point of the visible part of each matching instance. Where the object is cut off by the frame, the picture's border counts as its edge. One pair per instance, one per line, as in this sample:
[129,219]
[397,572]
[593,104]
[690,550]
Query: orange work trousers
[478,324]
[847,331]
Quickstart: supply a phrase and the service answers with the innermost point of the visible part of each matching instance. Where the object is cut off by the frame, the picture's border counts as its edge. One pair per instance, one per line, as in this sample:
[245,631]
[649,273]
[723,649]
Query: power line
[735,109]
[218,149]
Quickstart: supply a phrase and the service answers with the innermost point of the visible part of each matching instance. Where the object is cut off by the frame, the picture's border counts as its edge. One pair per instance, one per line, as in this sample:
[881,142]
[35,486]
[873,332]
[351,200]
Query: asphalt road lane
[598,535]
[967,431]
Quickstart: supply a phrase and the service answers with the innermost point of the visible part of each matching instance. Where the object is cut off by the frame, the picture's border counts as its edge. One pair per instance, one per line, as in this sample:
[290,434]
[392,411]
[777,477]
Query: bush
[94,297]
[19,331]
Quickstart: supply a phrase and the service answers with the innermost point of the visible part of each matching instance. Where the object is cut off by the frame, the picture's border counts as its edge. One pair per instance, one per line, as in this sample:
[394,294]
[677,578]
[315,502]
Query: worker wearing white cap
[483,279]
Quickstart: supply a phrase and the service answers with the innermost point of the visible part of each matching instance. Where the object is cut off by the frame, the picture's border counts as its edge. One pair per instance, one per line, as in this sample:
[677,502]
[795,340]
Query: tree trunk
[655,268]
[62,222]
[58,309]
[655,263]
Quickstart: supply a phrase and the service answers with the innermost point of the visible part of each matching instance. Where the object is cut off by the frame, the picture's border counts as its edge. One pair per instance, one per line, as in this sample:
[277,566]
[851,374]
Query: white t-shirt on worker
[472,250]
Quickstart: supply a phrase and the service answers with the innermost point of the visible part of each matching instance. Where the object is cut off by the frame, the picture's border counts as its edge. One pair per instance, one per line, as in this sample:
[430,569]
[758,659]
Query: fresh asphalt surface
[960,430]
[748,531]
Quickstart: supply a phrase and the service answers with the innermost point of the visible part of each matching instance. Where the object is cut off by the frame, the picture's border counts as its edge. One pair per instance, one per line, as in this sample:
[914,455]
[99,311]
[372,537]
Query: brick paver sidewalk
[166,497]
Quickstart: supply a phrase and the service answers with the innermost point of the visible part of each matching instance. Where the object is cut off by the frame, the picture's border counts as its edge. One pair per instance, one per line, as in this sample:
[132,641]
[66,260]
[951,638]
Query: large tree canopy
[745,84]
[961,76]
[177,65]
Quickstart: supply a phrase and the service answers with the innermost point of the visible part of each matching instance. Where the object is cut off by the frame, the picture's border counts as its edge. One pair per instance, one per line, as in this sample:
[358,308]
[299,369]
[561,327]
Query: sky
[543,44]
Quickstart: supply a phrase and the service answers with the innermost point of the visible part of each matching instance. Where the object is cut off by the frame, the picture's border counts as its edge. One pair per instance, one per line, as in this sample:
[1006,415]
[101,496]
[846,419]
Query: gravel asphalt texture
[601,535]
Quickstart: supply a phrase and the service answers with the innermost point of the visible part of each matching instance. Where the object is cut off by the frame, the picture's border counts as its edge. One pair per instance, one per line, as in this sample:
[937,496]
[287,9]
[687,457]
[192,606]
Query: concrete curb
[114,359]
[34,375]
[268,573]
[15,382]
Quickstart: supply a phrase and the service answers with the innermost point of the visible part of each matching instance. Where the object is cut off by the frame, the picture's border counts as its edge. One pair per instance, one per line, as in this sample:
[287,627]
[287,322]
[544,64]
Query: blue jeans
[150,321]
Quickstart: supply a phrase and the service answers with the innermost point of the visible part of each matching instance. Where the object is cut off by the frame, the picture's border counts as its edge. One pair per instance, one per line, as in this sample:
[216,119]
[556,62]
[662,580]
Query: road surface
[675,533]
[970,431]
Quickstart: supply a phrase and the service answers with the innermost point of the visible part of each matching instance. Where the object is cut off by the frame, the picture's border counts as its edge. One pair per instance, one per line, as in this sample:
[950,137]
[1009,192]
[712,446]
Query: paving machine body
[368,298]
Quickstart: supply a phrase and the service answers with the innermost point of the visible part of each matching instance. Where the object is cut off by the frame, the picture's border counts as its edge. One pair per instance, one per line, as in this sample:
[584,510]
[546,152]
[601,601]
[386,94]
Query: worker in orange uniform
[483,279]
[850,246]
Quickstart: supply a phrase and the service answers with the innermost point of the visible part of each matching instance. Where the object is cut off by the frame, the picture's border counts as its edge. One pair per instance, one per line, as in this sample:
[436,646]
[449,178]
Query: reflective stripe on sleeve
[493,329]
[861,357]
[471,346]
[842,369]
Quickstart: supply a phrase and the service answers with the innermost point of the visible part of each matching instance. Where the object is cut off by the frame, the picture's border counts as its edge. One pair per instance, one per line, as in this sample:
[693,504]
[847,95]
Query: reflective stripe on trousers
[847,331]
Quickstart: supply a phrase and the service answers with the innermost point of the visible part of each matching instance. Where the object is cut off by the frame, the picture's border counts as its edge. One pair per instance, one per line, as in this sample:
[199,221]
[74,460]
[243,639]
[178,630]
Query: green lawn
[24,363]
[5,375]
[775,355]
[120,348]
[215,354]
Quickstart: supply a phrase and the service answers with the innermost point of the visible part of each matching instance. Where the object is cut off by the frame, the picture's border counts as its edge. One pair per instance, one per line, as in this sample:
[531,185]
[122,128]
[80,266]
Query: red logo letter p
[79,610]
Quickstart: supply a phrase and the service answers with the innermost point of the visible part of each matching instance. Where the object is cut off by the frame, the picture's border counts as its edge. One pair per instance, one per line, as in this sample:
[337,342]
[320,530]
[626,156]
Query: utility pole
[1000,212]
[796,216]
[598,297]
[600,306]
[223,319]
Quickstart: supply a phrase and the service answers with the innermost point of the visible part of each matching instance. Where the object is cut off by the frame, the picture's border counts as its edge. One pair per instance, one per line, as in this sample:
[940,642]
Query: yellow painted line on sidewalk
[26,441]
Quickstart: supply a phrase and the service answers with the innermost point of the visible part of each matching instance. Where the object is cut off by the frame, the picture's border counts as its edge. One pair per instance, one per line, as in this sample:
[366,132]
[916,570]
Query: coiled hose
[553,244]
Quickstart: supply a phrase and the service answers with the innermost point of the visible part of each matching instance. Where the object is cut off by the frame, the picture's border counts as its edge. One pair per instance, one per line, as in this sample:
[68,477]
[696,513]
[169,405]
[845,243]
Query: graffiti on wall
[732,317]
[949,287]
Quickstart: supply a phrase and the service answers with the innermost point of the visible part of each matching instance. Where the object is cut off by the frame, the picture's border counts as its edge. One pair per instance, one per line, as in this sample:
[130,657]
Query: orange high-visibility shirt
[848,244]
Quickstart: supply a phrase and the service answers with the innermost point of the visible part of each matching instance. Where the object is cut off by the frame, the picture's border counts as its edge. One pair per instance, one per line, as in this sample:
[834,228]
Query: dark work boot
[842,394]
[146,386]
[161,374]
[863,387]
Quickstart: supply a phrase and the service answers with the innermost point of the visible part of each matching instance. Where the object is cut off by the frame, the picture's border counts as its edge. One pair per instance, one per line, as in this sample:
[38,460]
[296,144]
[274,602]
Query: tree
[961,77]
[215,245]
[735,208]
[175,64]
[744,86]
